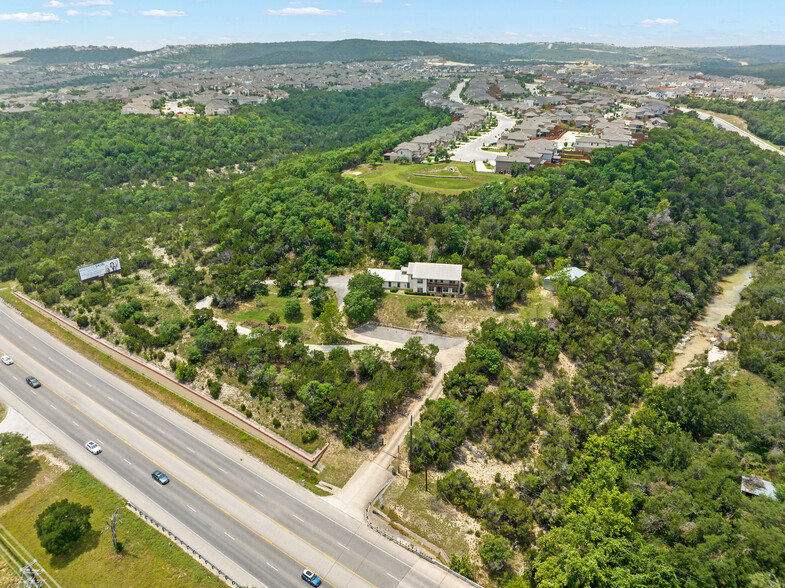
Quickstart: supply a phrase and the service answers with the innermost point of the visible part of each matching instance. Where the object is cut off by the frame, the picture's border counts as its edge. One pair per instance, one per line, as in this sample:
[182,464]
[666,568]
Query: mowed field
[447,182]
[148,557]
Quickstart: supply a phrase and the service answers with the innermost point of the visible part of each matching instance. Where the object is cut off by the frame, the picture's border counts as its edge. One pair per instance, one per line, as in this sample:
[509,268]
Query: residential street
[472,151]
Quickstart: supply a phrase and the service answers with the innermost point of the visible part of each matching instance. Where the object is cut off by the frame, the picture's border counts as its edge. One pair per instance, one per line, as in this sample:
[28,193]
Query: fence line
[203,560]
[426,557]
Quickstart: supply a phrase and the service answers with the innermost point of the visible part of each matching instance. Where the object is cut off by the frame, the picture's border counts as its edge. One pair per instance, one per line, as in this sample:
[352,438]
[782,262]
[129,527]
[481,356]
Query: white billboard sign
[99,270]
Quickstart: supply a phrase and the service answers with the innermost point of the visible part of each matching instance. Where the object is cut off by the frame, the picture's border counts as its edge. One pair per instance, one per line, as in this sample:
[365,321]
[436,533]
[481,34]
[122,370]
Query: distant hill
[63,55]
[750,60]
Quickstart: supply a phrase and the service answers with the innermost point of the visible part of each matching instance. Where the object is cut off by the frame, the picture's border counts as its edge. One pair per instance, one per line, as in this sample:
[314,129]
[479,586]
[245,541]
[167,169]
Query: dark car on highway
[33,382]
[160,477]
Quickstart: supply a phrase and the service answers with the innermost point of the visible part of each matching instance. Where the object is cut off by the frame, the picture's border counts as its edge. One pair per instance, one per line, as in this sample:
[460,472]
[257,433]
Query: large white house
[434,278]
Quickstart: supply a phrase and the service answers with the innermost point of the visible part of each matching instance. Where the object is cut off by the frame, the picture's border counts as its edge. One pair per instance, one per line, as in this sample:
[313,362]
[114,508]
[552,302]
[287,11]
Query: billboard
[99,270]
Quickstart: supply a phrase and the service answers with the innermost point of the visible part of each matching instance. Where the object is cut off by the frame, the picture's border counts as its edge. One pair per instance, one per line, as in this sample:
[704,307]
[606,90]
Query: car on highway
[311,577]
[33,382]
[93,447]
[160,477]
[7,360]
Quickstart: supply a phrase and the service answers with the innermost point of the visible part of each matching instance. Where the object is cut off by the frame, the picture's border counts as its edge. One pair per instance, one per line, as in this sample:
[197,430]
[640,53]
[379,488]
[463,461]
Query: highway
[257,526]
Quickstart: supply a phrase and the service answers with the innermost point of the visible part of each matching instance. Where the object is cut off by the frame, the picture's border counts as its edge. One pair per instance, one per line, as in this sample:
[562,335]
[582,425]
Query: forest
[764,118]
[622,483]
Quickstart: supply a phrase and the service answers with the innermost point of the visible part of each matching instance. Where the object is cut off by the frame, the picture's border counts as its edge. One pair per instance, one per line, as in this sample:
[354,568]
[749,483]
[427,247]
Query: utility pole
[31,576]
[411,424]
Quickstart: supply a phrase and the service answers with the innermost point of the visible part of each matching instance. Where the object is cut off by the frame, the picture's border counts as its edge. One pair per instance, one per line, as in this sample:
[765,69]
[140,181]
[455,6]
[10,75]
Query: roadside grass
[461,315]
[147,558]
[282,463]
[407,504]
[340,463]
[403,175]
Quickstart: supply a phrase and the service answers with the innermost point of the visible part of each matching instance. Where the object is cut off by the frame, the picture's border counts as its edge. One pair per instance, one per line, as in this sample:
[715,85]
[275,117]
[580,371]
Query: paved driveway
[401,336]
[341,286]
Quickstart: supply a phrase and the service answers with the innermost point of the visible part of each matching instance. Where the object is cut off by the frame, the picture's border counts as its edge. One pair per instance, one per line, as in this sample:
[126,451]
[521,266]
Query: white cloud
[92,3]
[372,1]
[652,22]
[511,34]
[96,13]
[304,11]
[162,13]
[54,4]
[30,17]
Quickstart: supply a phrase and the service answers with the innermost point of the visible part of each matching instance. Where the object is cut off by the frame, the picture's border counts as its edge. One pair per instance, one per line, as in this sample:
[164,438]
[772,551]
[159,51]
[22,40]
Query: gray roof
[757,486]
[435,271]
[568,273]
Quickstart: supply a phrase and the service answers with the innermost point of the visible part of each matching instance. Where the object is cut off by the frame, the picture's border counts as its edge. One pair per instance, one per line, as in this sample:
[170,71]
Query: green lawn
[147,559]
[461,315]
[255,313]
[403,175]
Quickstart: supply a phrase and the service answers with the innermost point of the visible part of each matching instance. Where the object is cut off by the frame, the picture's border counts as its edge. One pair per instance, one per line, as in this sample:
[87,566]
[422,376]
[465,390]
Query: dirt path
[704,336]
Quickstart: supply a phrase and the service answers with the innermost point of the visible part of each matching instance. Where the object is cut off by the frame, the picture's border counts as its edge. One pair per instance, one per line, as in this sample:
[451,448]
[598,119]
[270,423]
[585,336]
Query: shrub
[394,289]
[61,524]
[273,319]
[309,436]
[292,311]
[276,423]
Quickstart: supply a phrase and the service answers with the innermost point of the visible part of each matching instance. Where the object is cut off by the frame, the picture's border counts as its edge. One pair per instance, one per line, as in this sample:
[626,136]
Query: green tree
[359,306]
[331,327]
[367,282]
[292,311]
[61,524]
[15,450]
[495,553]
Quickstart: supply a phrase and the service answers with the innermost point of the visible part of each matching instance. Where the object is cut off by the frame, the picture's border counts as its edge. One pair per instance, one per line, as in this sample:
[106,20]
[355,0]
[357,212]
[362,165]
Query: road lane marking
[50,358]
[133,413]
[342,545]
[189,449]
[298,518]
[74,422]
[53,406]
[259,493]
[126,461]
[191,507]
[393,577]
[69,371]
[223,470]
[230,537]
[110,398]
[34,347]
[272,566]
[15,378]
[203,496]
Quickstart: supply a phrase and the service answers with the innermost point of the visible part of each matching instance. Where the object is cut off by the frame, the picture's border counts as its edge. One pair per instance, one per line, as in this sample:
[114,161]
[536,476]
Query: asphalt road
[723,124]
[256,525]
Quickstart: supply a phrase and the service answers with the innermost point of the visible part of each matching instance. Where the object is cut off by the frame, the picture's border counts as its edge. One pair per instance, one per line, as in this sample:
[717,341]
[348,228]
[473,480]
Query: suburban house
[568,274]
[434,278]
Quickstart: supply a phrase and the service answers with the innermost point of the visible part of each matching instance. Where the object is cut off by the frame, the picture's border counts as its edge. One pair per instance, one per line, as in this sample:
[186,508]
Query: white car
[93,447]
[7,360]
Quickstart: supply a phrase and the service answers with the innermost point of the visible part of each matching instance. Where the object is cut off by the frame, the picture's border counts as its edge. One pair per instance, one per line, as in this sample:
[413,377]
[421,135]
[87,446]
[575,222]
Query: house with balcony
[439,279]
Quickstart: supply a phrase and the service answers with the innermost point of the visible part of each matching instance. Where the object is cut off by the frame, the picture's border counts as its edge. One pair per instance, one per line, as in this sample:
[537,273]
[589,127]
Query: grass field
[255,313]
[147,559]
[403,175]
[460,315]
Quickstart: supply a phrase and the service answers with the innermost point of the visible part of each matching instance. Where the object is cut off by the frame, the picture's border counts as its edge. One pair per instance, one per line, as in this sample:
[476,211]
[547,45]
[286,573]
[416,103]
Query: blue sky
[149,24]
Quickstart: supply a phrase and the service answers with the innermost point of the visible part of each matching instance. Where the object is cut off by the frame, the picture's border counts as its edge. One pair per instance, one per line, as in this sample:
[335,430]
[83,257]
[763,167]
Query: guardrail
[203,560]
[203,401]
[426,557]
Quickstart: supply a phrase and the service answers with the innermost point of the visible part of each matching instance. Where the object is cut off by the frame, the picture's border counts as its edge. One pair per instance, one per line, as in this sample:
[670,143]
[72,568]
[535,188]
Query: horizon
[26,25]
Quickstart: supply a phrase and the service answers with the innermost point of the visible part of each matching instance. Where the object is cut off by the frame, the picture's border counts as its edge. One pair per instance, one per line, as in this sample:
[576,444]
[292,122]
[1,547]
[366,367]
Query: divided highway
[259,527]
